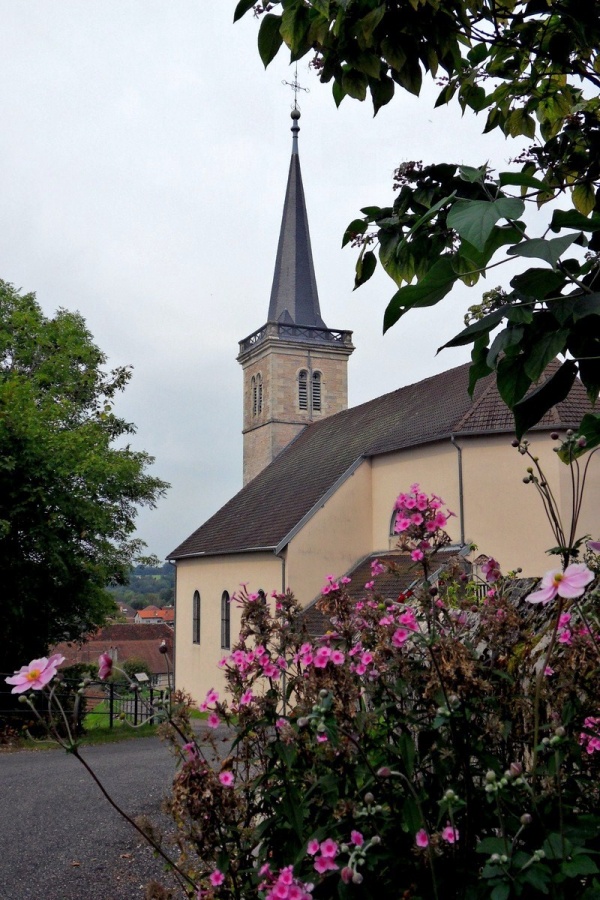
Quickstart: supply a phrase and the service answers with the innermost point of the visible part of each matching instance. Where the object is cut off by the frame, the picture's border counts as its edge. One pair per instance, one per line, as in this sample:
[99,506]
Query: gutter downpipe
[461,499]
[283,674]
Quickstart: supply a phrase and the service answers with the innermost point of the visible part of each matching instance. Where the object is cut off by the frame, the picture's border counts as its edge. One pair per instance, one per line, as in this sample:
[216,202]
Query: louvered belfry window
[259,392]
[303,389]
[316,391]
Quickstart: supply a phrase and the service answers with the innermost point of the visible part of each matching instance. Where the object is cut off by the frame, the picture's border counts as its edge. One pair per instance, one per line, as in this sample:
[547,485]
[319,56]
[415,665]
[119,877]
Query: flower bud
[515,769]
[554,435]
[163,648]
[490,775]
[369,798]
[514,443]
[357,878]
[346,874]
[384,772]
[560,731]
[375,840]
[302,722]
[323,693]
[526,819]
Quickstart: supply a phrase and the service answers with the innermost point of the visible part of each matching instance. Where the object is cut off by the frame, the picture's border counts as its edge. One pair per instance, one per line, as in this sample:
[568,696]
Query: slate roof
[266,510]
[294,296]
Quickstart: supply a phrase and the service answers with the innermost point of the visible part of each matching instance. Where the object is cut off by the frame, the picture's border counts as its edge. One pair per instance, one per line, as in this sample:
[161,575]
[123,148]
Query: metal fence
[113,702]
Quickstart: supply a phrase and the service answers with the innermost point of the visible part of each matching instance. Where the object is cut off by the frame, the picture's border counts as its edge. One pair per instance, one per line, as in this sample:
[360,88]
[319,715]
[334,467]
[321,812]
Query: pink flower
[402,524]
[313,847]
[400,637]
[337,657]
[213,720]
[216,878]
[190,750]
[105,665]
[422,838]
[416,555]
[548,671]
[246,697]
[37,674]
[356,838]
[594,546]
[226,778]
[491,570]
[325,864]
[212,696]
[329,848]
[450,834]
[369,585]
[570,583]
[377,568]
[322,738]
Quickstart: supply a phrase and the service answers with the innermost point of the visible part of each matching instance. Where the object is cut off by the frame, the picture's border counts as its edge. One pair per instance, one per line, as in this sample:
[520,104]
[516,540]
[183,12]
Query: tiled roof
[141,641]
[403,575]
[272,504]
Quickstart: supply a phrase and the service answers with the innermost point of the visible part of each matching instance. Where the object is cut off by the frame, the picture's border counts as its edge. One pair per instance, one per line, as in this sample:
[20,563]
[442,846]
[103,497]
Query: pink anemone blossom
[216,878]
[36,675]
[450,834]
[226,778]
[105,665]
[422,838]
[568,584]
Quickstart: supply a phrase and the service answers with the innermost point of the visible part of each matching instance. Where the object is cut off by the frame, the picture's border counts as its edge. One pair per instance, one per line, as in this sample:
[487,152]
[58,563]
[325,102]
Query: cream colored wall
[502,515]
[434,467]
[196,669]
[334,539]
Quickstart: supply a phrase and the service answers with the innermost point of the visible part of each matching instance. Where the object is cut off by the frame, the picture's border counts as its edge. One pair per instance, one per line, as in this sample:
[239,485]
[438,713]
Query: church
[320,480]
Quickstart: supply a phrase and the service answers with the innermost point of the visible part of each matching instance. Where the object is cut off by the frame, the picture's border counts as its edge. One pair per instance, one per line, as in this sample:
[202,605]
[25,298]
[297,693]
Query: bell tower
[295,368]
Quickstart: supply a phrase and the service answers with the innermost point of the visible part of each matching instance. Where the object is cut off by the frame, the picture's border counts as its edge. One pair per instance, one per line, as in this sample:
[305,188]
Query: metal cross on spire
[295,86]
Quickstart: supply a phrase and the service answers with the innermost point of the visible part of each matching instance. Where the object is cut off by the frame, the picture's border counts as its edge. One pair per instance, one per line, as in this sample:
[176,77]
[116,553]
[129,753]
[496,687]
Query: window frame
[225,621]
[196,617]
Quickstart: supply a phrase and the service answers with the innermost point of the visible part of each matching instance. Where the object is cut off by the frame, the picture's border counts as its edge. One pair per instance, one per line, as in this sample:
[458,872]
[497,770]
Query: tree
[68,494]
[534,67]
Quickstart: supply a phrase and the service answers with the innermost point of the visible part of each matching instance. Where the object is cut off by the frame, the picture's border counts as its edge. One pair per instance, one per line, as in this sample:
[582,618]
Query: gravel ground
[59,837]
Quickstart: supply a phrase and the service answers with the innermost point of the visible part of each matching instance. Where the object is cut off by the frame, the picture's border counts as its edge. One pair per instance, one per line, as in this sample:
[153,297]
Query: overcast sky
[143,159]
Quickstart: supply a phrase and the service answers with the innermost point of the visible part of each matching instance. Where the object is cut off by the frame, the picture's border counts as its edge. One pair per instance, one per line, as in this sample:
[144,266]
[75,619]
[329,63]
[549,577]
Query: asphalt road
[59,837]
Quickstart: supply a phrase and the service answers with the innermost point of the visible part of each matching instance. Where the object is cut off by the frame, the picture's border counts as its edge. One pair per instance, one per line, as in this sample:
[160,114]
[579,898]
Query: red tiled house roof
[141,641]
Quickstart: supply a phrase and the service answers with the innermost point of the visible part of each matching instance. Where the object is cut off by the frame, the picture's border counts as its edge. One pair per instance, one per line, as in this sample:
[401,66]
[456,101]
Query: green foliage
[533,67]
[68,494]
[146,585]
[437,719]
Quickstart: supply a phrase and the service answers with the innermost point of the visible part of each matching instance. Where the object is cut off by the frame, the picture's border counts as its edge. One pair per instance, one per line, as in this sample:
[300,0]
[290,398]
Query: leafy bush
[444,746]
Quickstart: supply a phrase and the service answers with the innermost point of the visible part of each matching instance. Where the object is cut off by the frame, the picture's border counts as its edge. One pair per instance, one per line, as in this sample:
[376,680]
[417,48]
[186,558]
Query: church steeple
[294,295]
[295,368]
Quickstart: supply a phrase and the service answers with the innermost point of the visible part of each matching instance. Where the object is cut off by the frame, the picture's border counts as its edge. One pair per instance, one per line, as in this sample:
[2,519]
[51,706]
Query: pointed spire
[294,296]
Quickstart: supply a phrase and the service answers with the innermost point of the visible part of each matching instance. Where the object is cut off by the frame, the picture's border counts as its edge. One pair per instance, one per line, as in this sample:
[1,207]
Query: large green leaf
[545,348]
[242,8]
[269,38]
[355,84]
[535,405]
[511,380]
[474,219]
[541,248]
[587,305]
[427,292]
[476,329]
[357,226]
[521,179]
[538,283]
[365,267]
[572,219]
[507,338]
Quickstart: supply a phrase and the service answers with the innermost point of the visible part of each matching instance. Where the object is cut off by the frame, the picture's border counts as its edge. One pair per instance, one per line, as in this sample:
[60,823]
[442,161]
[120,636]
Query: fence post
[135,705]
[111,704]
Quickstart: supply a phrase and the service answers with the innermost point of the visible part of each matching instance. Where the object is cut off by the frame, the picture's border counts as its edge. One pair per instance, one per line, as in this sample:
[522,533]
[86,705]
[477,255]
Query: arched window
[257,394]
[225,621]
[316,392]
[196,618]
[303,389]
[259,391]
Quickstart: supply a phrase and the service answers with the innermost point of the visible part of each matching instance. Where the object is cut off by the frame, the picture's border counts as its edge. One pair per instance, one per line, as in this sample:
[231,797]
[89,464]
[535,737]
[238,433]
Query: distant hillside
[147,585]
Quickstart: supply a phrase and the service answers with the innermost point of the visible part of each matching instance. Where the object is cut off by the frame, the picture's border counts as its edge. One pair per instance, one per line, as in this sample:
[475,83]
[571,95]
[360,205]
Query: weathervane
[295,86]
